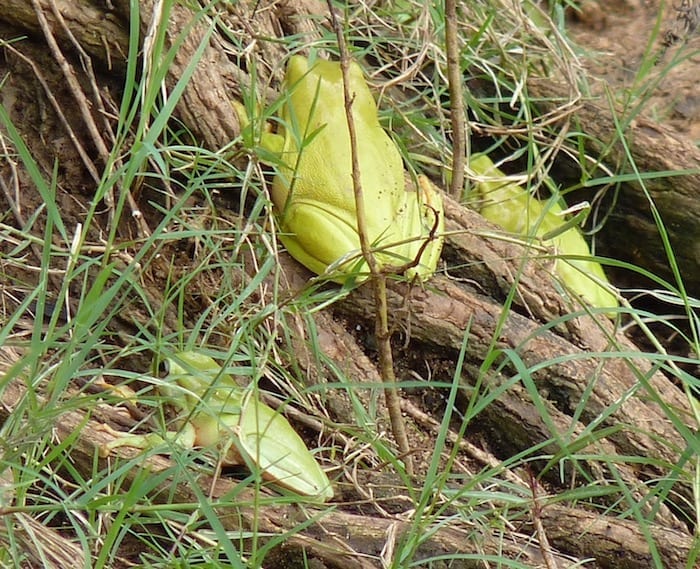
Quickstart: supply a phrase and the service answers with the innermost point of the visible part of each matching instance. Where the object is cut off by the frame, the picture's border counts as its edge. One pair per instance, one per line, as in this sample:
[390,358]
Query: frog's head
[318,84]
[193,378]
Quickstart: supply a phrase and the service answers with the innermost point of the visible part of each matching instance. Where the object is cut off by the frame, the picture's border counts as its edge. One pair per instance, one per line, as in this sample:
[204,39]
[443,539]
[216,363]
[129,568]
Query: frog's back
[325,167]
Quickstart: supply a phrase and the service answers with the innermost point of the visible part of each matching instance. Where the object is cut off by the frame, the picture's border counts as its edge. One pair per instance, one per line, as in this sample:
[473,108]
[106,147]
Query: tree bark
[440,314]
[206,110]
[671,175]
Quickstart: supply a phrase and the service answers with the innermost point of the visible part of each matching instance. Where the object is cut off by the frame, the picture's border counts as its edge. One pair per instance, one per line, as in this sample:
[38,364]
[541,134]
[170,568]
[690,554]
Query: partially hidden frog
[215,412]
[514,209]
[313,189]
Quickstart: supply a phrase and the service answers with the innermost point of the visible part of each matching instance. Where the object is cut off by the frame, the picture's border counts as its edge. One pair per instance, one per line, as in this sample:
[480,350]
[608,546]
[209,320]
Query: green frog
[313,189]
[511,206]
[215,412]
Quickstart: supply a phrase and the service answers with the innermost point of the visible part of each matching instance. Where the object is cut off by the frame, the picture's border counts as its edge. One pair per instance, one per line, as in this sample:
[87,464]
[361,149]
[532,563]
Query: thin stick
[84,108]
[454,78]
[382,333]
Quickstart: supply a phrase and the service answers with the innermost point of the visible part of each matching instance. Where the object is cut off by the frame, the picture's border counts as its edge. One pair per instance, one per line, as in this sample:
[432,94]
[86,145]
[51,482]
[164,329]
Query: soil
[621,38]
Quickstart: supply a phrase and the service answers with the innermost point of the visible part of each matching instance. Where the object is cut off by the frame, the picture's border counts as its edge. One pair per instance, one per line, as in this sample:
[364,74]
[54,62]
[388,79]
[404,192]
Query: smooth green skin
[313,191]
[220,414]
[512,207]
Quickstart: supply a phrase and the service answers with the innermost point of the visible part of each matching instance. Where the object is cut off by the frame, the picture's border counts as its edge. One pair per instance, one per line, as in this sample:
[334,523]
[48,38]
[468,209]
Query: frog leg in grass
[271,444]
[184,438]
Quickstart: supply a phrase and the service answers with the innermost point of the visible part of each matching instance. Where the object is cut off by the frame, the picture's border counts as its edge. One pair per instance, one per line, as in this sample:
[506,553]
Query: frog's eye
[163,369]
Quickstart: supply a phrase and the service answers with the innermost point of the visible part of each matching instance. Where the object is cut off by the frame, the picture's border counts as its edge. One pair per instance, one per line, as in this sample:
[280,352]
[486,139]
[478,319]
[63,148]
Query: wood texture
[671,167]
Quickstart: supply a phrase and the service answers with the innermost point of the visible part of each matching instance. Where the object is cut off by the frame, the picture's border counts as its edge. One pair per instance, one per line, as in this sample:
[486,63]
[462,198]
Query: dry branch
[205,109]
[347,540]
[617,546]
[571,371]
[101,32]
[631,233]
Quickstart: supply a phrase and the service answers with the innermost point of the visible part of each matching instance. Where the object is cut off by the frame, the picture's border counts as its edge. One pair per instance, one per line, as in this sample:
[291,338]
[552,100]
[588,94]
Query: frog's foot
[124,392]
[147,441]
[429,193]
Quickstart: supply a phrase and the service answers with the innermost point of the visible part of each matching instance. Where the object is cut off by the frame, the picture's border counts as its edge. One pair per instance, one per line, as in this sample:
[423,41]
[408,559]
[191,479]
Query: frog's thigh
[319,234]
[279,451]
[420,215]
[580,277]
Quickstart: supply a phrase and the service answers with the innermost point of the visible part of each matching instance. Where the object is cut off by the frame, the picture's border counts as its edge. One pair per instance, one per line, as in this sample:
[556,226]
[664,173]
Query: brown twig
[84,107]
[545,547]
[454,78]
[86,62]
[382,332]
